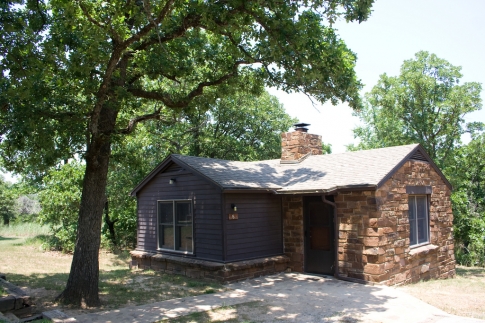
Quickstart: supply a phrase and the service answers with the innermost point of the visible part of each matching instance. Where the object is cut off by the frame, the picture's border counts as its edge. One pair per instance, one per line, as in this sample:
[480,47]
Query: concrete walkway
[293,298]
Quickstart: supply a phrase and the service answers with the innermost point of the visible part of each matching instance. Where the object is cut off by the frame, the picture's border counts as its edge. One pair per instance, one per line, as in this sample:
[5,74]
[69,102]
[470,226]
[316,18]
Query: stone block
[374,251]
[7,303]
[371,241]
[373,232]
[158,265]
[374,269]
[424,268]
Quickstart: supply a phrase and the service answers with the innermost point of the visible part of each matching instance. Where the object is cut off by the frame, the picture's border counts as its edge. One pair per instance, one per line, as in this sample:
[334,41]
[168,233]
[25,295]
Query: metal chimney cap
[302,127]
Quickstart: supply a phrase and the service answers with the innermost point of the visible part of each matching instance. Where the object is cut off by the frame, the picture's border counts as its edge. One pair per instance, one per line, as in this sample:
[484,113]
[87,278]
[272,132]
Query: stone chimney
[298,144]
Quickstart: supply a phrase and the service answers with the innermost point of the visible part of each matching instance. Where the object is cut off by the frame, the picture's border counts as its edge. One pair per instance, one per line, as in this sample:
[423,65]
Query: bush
[469,230]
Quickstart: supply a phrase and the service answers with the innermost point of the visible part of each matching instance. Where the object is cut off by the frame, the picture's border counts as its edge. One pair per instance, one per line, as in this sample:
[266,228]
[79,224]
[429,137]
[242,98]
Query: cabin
[381,215]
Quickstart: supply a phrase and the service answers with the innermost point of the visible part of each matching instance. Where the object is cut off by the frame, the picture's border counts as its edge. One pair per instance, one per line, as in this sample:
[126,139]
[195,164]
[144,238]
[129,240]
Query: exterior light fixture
[171,181]
[234,207]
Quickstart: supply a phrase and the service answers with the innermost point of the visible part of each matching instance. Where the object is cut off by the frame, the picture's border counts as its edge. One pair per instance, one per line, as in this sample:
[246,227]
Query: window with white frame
[418,220]
[175,225]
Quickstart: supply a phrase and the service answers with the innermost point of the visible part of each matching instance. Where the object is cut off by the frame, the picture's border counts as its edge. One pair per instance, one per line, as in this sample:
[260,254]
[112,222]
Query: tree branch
[133,122]
[189,21]
[151,24]
[197,91]
[101,25]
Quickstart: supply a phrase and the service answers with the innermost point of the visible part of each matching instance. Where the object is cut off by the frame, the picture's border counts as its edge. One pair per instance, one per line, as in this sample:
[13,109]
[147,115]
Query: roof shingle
[365,168]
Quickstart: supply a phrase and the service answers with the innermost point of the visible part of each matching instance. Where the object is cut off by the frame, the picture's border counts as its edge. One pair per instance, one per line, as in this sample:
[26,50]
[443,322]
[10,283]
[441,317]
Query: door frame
[335,231]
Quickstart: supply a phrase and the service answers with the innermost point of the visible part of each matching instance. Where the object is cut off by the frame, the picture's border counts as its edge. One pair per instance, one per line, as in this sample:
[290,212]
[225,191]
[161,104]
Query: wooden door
[319,236]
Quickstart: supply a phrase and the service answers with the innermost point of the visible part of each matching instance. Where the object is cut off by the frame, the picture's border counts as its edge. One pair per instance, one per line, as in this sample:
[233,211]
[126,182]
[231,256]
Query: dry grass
[464,295]
[43,275]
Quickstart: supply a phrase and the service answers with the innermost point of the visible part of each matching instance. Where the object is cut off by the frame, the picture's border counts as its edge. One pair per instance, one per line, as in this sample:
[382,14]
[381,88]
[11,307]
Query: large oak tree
[76,75]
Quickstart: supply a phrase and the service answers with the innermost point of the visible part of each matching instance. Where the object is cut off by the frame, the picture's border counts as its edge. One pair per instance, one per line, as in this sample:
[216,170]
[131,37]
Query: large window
[418,219]
[175,225]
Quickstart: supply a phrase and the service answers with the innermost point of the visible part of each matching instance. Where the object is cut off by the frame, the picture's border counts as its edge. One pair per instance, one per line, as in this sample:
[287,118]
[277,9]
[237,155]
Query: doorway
[319,236]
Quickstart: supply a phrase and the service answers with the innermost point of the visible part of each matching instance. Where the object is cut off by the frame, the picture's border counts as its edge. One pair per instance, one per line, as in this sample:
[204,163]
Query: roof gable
[419,154]
[169,165]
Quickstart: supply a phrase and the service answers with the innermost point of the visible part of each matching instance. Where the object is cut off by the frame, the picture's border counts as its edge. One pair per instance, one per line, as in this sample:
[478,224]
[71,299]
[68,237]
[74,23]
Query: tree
[425,104]
[469,202]
[60,201]
[7,202]
[242,126]
[77,75]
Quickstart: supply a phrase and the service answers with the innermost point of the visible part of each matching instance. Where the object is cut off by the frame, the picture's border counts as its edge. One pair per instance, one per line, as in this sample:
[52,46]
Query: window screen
[418,219]
[175,225]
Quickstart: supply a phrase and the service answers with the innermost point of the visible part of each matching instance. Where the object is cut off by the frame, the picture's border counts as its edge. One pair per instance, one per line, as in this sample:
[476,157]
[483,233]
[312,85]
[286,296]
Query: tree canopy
[77,75]
[425,104]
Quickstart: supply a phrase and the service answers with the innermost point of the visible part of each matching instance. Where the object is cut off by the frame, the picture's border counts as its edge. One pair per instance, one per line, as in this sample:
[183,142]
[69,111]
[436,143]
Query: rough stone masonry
[373,236]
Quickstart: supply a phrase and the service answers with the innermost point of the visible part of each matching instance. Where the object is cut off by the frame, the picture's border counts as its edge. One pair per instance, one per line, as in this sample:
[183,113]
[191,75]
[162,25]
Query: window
[175,231]
[418,219]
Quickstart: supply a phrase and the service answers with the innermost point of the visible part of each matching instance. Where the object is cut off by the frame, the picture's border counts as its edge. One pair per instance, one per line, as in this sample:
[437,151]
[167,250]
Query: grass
[240,313]
[464,295]
[29,229]
[44,274]
[3,291]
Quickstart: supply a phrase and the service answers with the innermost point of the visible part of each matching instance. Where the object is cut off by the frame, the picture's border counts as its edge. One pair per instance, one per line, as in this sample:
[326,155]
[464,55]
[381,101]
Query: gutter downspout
[335,238]
[336,228]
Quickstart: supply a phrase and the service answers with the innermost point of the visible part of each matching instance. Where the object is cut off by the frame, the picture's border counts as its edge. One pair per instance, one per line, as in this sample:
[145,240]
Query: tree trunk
[82,285]
[110,224]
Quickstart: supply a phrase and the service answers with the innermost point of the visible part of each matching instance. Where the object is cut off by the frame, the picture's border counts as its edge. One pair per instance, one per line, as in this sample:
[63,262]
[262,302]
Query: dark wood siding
[258,230]
[206,199]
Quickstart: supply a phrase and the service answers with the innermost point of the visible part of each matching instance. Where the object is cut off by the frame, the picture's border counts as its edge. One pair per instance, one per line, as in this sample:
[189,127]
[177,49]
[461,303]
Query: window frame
[174,225]
[428,233]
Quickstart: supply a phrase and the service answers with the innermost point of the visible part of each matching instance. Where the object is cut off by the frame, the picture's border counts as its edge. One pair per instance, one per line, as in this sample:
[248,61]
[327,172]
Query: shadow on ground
[7,238]
[305,298]
[470,272]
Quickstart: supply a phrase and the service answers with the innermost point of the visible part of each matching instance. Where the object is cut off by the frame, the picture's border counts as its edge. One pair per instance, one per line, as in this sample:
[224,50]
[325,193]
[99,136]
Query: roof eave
[359,187]
[408,157]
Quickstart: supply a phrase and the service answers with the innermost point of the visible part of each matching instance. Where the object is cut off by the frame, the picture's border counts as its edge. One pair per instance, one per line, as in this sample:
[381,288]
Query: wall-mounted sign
[233,216]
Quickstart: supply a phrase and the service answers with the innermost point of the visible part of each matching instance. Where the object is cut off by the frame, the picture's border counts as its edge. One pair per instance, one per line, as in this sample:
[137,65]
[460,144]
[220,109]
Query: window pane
[412,208]
[165,212]
[421,202]
[422,230]
[167,236]
[183,213]
[422,217]
[184,241]
[412,221]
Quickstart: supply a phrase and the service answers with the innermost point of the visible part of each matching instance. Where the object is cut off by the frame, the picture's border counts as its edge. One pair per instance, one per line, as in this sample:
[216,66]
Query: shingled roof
[321,173]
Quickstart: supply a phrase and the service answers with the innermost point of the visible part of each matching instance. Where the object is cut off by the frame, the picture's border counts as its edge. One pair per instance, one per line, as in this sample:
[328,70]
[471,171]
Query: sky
[396,30]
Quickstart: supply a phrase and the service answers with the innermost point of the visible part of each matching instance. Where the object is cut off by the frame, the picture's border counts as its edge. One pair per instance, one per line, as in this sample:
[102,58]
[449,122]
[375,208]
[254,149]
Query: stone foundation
[211,270]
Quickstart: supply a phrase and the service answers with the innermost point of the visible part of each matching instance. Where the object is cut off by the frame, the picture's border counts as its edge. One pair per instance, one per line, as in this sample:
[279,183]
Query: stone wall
[357,218]
[211,270]
[297,144]
[374,230]
[293,234]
